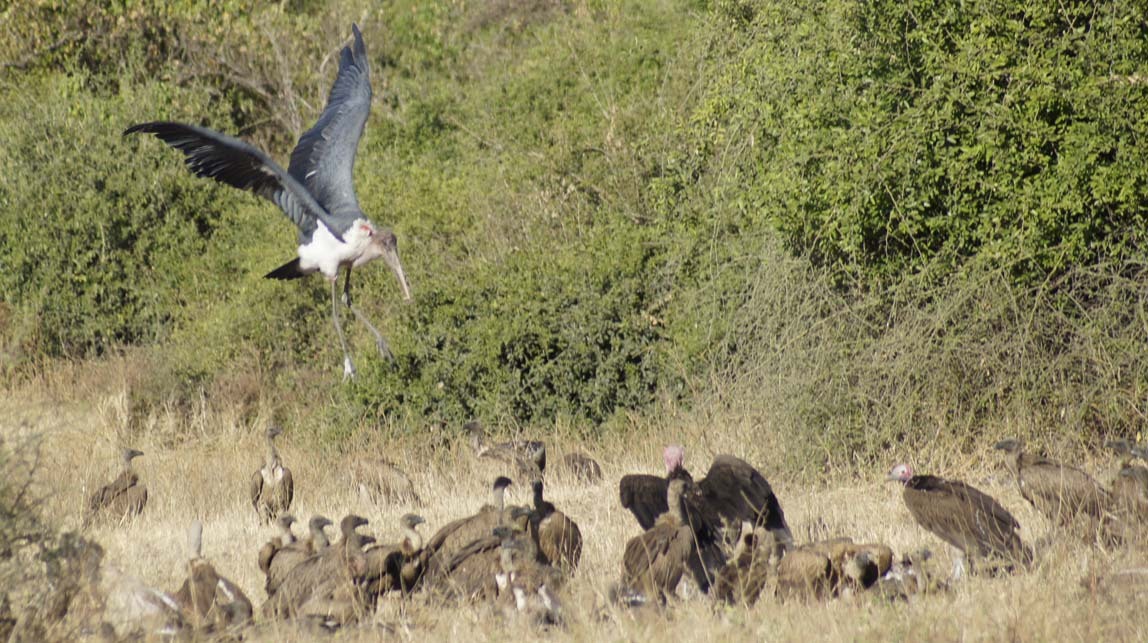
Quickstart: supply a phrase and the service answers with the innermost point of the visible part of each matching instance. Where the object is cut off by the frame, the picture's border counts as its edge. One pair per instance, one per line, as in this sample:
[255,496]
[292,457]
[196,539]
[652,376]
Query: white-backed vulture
[582,467]
[272,488]
[527,457]
[471,573]
[527,586]
[558,538]
[457,534]
[1130,487]
[378,481]
[123,497]
[805,574]
[1062,493]
[272,547]
[654,561]
[329,580]
[398,567]
[975,524]
[208,600]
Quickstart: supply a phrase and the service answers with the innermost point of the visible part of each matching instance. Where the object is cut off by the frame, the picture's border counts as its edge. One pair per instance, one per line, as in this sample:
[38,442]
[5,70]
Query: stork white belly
[327,254]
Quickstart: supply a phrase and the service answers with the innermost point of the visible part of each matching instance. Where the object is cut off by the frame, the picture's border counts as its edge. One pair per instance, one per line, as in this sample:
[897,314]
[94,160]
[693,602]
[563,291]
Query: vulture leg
[348,365]
[960,561]
[381,343]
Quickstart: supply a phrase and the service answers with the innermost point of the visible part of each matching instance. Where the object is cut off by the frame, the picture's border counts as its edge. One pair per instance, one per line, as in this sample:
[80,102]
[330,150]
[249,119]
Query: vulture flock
[724,534]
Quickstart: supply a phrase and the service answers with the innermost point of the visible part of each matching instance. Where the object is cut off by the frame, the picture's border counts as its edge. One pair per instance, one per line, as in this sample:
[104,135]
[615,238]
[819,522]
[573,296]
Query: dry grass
[206,478]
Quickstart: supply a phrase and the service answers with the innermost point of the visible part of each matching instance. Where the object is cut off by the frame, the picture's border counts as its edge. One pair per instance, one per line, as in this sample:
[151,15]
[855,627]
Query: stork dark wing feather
[645,496]
[324,158]
[212,155]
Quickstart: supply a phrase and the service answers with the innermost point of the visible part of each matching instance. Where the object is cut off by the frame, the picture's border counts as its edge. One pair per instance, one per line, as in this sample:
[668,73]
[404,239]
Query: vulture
[378,480]
[455,535]
[125,496]
[206,599]
[654,561]
[271,549]
[753,562]
[731,493]
[557,537]
[327,584]
[1130,488]
[395,568]
[272,487]
[1060,492]
[528,457]
[471,573]
[909,576]
[805,573]
[964,517]
[527,586]
[582,467]
[281,554]
[832,567]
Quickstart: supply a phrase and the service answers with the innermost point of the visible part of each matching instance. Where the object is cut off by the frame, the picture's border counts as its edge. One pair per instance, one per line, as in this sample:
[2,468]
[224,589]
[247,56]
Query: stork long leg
[348,365]
[381,343]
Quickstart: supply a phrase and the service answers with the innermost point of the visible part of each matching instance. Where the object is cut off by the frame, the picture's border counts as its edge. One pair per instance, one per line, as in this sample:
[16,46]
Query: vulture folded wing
[962,516]
[109,492]
[645,496]
[255,489]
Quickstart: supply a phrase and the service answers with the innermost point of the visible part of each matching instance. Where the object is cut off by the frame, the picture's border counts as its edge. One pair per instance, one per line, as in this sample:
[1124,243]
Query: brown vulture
[732,490]
[272,488]
[527,456]
[753,562]
[582,467]
[279,556]
[458,534]
[327,584]
[558,538]
[1130,488]
[636,493]
[962,516]
[123,497]
[395,568]
[1062,493]
[206,599]
[378,480]
[654,561]
[471,572]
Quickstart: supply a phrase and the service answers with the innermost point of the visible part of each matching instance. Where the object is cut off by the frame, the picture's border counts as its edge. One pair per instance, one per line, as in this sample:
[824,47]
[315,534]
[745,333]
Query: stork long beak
[391,256]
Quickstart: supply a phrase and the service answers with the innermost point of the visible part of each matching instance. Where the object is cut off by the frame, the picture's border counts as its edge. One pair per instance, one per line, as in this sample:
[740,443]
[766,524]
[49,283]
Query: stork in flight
[316,191]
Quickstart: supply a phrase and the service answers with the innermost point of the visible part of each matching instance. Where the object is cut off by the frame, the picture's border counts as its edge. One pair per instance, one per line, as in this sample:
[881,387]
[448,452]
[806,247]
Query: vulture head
[900,473]
[1011,446]
[674,456]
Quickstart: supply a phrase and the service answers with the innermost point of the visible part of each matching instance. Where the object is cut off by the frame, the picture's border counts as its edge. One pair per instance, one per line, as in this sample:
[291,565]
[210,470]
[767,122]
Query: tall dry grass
[206,478]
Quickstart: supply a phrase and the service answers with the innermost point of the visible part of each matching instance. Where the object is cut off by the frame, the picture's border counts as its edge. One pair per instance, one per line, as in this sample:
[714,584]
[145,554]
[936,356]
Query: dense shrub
[879,136]
[795,212]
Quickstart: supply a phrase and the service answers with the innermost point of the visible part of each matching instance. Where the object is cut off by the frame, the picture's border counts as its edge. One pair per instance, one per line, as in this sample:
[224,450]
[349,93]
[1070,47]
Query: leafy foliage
[600,206]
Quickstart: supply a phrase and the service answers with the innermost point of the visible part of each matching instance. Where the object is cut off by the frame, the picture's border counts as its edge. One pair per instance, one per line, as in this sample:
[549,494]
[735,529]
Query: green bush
[543,334]
[881,136]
